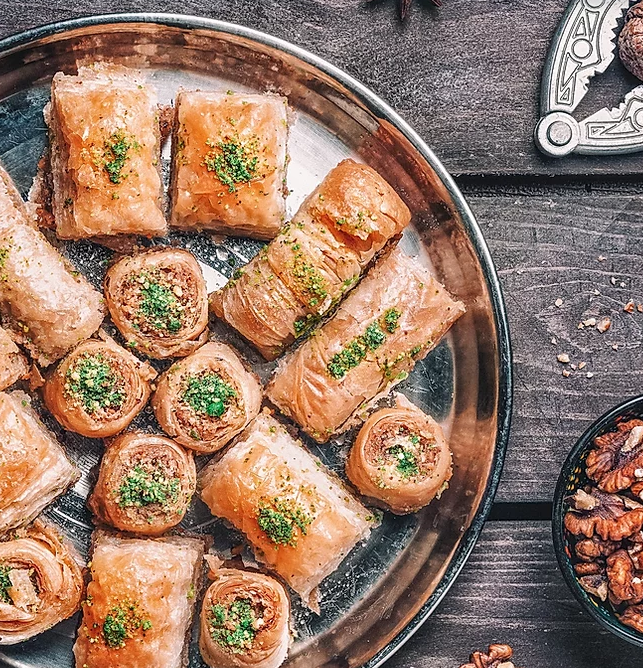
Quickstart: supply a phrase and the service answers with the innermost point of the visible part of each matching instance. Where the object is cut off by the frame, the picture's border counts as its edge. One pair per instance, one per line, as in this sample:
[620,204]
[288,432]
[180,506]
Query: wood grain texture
[466,76]
[511,591]
[547,247]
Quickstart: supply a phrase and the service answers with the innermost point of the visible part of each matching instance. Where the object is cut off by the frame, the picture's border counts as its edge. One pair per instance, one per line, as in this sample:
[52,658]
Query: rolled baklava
[159,302]
[395,317]
[98,389]
[206,399]
[145,484]
[314,260]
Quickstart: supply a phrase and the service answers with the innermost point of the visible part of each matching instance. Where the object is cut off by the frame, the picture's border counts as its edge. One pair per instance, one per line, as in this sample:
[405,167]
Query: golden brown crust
[145,484]
[47,578]
[159,302]
[271,608]
[13,364]
[198,430]
[400,458]
[130,378]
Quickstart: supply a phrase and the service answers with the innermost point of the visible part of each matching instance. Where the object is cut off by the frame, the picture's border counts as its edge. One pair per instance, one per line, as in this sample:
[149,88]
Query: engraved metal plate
[386,588]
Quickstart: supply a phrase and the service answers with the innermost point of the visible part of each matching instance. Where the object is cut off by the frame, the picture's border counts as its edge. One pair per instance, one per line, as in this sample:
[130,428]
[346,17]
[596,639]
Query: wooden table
[467,78]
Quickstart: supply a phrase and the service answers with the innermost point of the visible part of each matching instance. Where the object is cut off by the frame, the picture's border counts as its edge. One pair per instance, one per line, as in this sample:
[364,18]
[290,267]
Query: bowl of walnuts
[598,520]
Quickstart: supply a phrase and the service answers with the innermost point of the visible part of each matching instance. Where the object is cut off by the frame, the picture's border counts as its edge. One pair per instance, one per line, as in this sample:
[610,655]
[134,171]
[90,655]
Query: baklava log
[98,389]
[396,315]
[229,163]
[245,620]
[13,364]
[300,520]
[35,469]
[49,307]
[41,581]
[400,458]
[206,399]
[140,602]
[145,484]
[159,302]
[105,154]
[314,260]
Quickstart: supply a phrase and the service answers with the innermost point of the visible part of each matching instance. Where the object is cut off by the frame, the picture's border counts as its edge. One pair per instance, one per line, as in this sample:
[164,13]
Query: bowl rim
[375,105]
[607,620]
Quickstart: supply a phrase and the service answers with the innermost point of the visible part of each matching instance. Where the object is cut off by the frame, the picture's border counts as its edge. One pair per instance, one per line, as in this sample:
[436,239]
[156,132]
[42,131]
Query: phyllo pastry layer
[140,602]
[35,469]
[394,317]
[229,163]
[105,154]
[299,518]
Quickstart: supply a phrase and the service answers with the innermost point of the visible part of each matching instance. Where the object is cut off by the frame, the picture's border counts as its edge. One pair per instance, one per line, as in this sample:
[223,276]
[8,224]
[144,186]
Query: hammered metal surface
[391,583]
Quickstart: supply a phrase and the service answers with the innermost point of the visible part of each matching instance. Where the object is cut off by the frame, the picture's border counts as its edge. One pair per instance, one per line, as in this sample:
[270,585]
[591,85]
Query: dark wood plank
[546,247]
[511,591]
[466,76]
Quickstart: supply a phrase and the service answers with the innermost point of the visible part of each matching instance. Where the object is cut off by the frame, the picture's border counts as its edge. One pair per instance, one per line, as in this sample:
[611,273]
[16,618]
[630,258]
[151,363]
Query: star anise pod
[405,5]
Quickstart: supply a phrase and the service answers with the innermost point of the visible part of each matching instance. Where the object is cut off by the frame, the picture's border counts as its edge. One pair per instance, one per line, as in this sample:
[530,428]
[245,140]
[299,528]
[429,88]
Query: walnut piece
[596,585]
[593,548]
[630,41]
[611,516]
[633,617]
[625,585]
[497,656]
[617,460]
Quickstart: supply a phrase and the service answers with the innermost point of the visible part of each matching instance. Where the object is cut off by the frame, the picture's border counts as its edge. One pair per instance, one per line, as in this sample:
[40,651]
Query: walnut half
[497,656]
[630,41]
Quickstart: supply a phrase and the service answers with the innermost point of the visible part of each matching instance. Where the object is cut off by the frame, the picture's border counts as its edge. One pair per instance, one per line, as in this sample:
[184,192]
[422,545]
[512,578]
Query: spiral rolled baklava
[98,389]
[145,484]
[41,581]
[158,301]
[206,399]
[245,620]
[400,458]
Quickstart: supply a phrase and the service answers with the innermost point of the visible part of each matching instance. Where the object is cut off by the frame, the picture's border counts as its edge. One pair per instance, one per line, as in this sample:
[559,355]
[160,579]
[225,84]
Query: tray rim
[376,105]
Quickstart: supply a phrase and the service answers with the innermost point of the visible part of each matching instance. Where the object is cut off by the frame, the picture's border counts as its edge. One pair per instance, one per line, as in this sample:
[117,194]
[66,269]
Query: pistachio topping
[232,161]
[282,520]
[234,627]
[159,307]
[92,381]
[122,622]
[116,153]
[5,584]
[208,394]
[144,487]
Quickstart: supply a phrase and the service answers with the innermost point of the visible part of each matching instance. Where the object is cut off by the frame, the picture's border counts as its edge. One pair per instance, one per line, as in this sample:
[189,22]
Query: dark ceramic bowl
[573,476]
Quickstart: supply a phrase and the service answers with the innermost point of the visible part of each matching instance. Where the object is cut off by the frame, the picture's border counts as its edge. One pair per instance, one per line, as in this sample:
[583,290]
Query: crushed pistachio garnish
[232,161]
[144,487]
[116,153]
[92,381]
[122,622]
[208,394]
[234,627]
[159,307]
[5,584]
[282,519]
[405,461]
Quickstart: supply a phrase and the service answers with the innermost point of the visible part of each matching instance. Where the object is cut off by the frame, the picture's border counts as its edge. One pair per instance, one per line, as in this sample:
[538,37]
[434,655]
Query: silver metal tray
[386,588]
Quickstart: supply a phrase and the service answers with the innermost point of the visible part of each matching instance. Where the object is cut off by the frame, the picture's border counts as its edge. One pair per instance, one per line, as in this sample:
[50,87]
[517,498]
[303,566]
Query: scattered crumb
[567,373]
[597,292]
[563,358]
[604,325]
[629,307]
[558,302]
[590,374]
[621,284]
[582,365]
[639,308]
[615,346]
[553,340]
[573,366]
[613,280]
[590,322]
[601,258]
[581,325]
